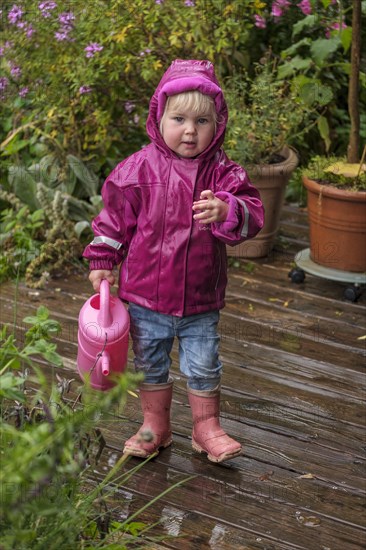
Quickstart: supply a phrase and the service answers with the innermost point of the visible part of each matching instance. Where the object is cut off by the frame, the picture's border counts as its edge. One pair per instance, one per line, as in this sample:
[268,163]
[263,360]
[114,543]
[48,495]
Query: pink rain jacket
[170,262]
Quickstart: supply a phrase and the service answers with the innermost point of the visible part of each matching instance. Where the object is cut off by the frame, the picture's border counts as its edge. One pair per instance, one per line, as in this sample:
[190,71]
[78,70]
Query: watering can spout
[105,364]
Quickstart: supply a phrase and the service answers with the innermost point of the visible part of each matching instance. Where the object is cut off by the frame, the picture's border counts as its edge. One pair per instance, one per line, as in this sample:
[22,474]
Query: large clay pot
[271,181]
[337,225]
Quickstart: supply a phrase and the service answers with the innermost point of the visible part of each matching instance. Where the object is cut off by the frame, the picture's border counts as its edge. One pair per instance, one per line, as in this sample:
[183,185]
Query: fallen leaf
[307,476]
[132,393]
[266,476]
[346,169]
[362,337]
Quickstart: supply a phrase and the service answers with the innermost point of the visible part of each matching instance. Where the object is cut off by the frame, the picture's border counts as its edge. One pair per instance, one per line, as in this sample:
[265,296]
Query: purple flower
[129,106]
[92,49]
[136,119]
[4,83]
[14,14]
[305,7]
[159,1]
[189,3]
[66,18]
[260,22]
[29,31]
[62,35]
[85,90]
[23,91]
[46,8]
[15,71]
[144,52]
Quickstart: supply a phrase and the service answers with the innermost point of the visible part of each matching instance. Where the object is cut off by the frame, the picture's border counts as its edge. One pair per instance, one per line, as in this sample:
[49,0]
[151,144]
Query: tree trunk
[353,149]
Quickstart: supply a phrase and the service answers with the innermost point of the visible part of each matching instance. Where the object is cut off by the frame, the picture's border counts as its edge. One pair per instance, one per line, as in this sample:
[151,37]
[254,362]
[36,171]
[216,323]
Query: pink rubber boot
[155,432]
[207,435]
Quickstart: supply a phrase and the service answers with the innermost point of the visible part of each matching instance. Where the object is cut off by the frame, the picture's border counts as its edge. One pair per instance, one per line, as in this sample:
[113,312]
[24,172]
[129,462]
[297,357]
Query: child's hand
[97,275]
[212,208]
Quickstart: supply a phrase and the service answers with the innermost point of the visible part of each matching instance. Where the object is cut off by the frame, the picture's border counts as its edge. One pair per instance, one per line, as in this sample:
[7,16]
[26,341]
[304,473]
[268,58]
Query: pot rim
[329,190]
[281,168]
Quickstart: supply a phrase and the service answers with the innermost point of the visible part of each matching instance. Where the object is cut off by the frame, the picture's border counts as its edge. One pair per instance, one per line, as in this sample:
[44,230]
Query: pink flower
[305,7]
[260,22]
[279,6]
[334,27]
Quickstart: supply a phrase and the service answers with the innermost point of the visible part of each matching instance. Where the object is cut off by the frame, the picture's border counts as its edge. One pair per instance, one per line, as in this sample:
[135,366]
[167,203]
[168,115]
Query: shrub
[82,77]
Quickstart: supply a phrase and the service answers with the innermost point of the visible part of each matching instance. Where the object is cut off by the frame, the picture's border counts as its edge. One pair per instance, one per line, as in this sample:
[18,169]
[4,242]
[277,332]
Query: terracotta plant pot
[271,181]
[337,224]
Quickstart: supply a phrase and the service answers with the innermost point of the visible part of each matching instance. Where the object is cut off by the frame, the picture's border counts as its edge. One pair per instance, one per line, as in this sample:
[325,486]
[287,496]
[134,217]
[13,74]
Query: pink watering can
[104,326]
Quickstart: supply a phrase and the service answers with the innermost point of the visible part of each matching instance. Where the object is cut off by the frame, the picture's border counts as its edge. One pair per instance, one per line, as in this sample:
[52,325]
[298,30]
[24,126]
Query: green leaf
[346,38]
[293,49]
[42,313]
[296,64]
[15,145]
[308,21]
[323,128]
[24,186]
[89,179]
[80,227]
[49,170]
[315,93]
[323,47]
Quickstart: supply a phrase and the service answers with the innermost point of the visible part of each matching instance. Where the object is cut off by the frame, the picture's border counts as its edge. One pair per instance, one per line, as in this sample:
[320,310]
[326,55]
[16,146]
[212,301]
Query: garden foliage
[50,447]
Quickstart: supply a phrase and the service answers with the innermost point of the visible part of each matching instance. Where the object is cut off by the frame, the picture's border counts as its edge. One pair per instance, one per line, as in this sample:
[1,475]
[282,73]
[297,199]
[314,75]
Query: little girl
[169,211]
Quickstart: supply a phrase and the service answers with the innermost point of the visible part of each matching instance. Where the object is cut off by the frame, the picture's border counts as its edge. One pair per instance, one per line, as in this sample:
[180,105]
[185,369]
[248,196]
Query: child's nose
[190,127]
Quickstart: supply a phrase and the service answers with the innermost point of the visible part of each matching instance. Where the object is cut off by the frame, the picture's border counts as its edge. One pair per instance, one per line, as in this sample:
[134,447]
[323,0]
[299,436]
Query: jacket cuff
[233,218]
[101,264]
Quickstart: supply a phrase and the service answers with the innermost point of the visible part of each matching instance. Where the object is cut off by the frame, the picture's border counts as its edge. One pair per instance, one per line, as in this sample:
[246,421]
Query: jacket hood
[183,76]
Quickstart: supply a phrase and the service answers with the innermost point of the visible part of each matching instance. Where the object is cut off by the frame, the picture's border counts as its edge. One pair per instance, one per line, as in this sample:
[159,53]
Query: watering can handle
[104,316]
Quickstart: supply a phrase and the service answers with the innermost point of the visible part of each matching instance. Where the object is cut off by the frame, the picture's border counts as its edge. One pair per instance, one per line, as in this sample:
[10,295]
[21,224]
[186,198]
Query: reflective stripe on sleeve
[244,231]
[107,241]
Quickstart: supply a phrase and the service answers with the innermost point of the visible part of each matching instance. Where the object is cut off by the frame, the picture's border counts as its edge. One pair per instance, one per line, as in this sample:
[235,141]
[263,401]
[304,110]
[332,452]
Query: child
[169,210]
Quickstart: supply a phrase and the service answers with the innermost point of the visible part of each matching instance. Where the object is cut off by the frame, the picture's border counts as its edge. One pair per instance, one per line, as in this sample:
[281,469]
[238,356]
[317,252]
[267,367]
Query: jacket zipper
[126,268]
[218,276]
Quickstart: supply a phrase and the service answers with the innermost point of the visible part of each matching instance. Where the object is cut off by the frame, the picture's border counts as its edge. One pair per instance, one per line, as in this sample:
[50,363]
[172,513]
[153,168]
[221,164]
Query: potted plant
[336,200]
[265,115]
[336,187]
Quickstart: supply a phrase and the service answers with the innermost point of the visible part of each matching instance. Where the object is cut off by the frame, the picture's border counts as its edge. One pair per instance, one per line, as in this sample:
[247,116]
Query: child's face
[187,133]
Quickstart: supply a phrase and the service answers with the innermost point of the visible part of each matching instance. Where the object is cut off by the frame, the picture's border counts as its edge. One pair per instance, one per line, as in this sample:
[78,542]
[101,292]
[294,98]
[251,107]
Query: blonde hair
[192,100]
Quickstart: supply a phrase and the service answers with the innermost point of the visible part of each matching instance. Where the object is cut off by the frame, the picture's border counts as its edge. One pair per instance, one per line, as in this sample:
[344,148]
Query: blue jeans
[153,336]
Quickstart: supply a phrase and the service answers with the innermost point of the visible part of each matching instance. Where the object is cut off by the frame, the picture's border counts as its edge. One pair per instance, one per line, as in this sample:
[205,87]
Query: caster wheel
[352,293]
[297,275]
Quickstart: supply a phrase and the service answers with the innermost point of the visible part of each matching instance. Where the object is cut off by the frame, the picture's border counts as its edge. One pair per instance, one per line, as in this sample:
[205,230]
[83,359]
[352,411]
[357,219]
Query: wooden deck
[293,394]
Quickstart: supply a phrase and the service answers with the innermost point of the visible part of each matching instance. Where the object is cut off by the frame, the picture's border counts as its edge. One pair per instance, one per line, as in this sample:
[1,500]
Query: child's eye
[178,118]
[203,120]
